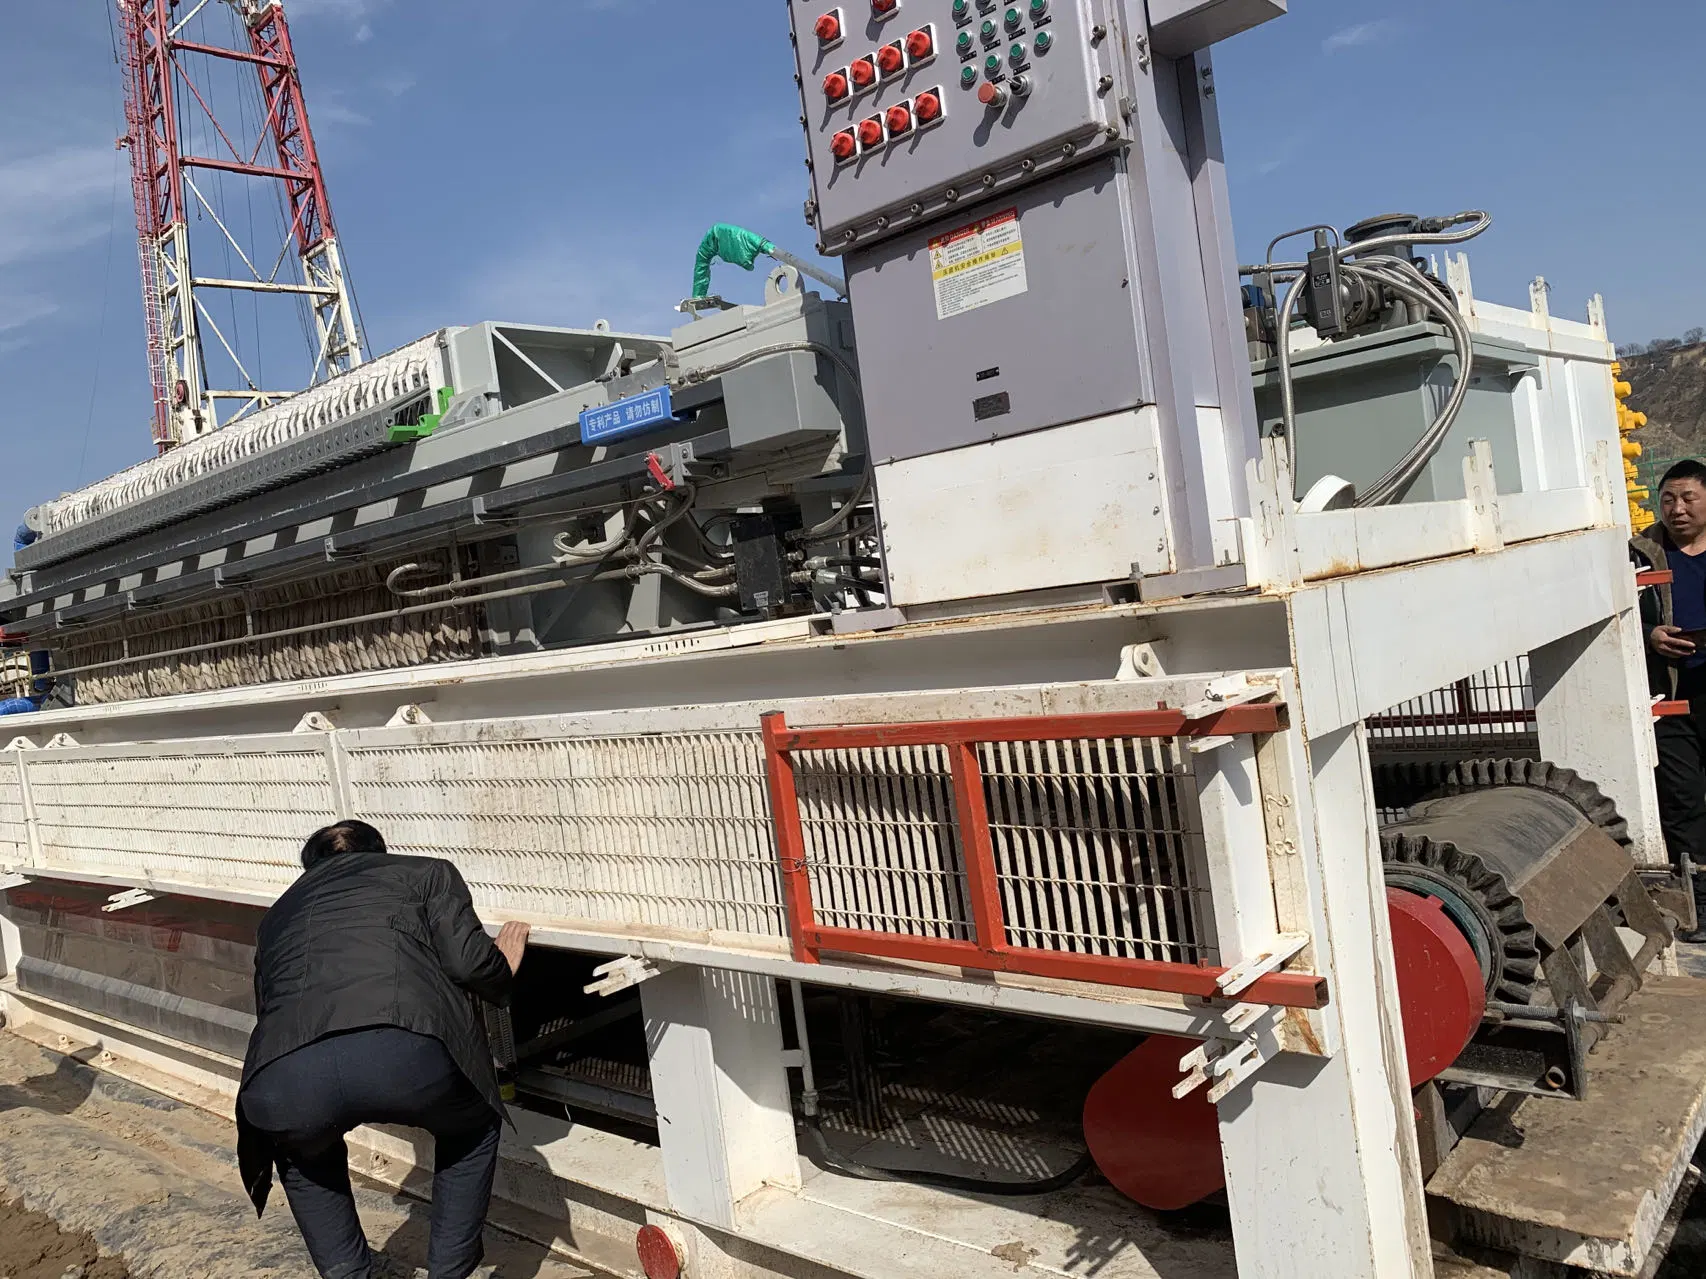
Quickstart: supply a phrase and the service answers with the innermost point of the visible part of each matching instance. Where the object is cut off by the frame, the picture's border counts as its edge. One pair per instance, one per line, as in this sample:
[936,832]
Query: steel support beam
[1593,707]
[725,1120]
[1322,1169]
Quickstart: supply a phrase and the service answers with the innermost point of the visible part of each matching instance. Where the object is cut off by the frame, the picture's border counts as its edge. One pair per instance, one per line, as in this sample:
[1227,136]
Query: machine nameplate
[632,416]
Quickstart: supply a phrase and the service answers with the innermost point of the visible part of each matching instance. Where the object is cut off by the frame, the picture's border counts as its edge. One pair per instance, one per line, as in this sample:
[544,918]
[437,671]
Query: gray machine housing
[1114,143]
[1362,402]
[482,494]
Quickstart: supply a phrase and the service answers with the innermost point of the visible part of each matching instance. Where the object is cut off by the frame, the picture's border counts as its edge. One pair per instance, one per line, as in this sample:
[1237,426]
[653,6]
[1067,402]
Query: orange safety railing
[934,933]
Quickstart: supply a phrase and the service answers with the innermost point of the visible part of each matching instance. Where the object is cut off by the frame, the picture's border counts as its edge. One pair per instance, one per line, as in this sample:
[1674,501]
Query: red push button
[828,28]
[871,132]
[899,120]
[992,95]
[890,59]
[843,145]
[927,107]
[835,86]
[864,73]
[920,45]
[882,8]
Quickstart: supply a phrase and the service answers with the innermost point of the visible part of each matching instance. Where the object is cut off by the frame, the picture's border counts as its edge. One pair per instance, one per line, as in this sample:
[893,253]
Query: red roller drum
[1440,988]
[1164,1153]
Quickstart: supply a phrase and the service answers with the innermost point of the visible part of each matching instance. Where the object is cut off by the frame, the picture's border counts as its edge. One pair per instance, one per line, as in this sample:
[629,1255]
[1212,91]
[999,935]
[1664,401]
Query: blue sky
[556,160]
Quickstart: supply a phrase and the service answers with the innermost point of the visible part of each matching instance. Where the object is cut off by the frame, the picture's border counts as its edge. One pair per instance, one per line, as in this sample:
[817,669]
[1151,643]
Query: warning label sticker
[978,264]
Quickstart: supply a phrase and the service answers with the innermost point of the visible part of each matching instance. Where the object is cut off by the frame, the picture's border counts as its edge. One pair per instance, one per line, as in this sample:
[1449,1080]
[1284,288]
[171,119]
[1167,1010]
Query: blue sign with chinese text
[632,416]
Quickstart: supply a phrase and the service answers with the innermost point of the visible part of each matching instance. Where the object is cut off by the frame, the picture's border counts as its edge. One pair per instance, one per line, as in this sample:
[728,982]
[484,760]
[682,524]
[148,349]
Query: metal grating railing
[14,832]
[1495,707]
[1097,847]
[1095,844]
[1066,846]
[671,831]
[237,818]
[883,850]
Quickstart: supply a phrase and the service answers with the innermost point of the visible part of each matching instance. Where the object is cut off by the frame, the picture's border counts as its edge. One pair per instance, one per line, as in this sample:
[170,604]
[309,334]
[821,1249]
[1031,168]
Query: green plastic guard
[730,243]
[401,434]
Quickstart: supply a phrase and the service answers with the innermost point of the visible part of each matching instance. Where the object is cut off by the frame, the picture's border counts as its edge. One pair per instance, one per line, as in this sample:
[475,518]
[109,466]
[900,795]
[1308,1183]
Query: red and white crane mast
[162,89]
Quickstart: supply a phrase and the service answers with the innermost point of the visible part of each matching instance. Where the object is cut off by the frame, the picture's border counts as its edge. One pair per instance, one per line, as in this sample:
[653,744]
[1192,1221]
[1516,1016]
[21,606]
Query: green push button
[962,9]
[964,43]
[1038,8]
[992,66]
[989,32]
[1044,42]
[968,76]
[1014,18]
[1016,55]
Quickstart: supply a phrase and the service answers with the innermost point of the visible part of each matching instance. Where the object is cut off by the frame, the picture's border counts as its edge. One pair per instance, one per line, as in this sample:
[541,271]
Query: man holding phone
[1674,620]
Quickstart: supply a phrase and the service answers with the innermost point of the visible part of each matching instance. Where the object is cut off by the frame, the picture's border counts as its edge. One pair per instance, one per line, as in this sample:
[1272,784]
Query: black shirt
[1688,599]
[371,939]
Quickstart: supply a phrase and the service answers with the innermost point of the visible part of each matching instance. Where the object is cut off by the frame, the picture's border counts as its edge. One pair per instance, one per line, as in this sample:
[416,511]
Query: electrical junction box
[981,98]
[1006,334]
[1363,402]
[1045,283]
[761,564]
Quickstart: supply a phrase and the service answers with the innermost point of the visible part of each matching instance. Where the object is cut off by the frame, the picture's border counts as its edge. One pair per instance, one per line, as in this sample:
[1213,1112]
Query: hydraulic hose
[841,516]
[1363,260]
[740,247]
[1392,486]
[1288,392]
[1477,220]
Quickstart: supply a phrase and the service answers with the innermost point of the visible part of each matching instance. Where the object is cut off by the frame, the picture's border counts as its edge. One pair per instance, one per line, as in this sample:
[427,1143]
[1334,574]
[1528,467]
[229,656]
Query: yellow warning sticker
[978,264]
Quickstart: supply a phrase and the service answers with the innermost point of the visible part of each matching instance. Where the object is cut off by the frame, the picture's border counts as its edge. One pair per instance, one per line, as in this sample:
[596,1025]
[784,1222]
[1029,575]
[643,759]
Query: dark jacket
[1652,550]
[370,939]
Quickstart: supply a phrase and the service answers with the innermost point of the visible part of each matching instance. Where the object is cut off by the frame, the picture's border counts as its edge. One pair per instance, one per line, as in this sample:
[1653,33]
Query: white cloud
[355,13]
[1363,33]
[21,309]
[54,202]
[330,108]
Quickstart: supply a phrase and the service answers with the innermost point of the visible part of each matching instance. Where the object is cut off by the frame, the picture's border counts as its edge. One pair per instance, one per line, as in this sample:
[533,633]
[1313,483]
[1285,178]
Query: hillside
[1670,388]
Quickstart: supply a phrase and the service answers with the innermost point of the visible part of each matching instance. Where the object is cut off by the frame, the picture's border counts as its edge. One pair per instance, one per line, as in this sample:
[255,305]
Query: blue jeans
[308,1099]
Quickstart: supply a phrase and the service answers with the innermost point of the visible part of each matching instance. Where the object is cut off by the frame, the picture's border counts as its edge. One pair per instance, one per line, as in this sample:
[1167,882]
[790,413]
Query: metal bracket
[1243,1019]
[60,741]
[1227,1064]
[668,465]
[315,722]
[128,898]
[1241,976]
[1202,745]
[1227,692]
[1140,661]
[407,717]
[624,973]
[21,744]
[12,879]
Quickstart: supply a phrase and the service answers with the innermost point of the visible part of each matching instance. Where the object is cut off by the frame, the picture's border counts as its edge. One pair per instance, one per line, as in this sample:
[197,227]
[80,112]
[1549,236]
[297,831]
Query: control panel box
[915,108]
[1016,332]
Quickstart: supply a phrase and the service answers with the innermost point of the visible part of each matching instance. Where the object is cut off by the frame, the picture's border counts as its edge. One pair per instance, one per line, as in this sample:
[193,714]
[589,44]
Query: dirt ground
[33,1247]
[152,1183]
[138,1176]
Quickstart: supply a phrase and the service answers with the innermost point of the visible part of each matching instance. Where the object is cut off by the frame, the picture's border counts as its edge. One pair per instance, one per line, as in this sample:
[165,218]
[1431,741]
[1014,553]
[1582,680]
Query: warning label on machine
[978,264]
